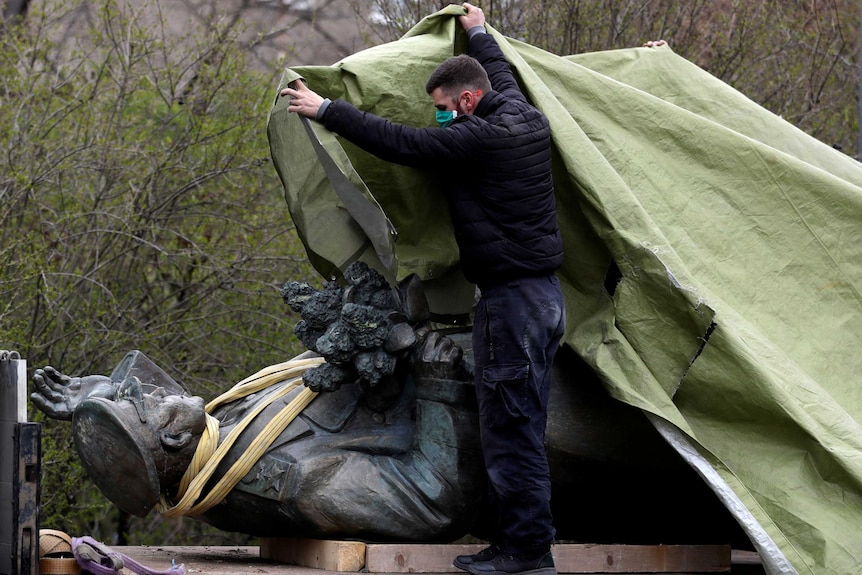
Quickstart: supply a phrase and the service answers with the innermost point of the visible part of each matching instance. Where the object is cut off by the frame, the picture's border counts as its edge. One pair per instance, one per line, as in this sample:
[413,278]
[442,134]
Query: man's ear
[175,441]
[469,101]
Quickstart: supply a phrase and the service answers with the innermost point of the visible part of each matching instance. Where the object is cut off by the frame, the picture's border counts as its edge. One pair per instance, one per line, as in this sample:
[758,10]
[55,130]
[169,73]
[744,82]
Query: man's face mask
[445,117]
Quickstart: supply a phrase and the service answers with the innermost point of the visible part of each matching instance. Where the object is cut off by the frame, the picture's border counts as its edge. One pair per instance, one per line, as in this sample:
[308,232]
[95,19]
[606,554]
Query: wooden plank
[586,558]
[250,561]
[742,557]
[569,558]
[346,556]
[415,557]
[209,560]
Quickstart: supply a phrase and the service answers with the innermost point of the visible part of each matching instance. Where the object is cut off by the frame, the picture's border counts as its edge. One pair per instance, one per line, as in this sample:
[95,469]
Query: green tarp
[737,322]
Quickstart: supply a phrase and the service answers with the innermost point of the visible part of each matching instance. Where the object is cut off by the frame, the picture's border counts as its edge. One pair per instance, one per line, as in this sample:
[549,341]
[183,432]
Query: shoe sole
[540,571]
[465,566]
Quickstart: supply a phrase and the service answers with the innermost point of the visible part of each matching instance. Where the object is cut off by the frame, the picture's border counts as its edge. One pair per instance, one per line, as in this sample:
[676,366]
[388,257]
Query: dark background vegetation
[139,208]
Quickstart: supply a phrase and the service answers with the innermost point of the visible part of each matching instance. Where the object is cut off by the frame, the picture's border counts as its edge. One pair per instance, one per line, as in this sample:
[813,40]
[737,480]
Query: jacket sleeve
[398,143]
[484,48]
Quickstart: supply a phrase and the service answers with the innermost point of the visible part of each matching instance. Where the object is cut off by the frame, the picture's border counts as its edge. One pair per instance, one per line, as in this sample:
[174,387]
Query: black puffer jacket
[501,195]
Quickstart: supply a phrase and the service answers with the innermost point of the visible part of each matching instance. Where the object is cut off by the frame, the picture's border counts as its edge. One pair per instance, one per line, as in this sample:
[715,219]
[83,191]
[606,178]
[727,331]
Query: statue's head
[138,446]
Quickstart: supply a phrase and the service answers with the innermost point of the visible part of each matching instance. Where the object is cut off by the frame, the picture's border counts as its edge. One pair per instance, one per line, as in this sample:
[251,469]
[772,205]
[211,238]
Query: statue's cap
[116,447]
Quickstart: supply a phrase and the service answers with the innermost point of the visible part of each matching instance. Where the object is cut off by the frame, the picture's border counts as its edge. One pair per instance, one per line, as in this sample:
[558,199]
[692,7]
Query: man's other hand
[303,100]
[473,17]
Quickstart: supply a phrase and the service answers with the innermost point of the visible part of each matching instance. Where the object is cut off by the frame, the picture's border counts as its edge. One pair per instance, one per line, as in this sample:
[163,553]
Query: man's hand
[654,43]
[473,17]
[58,395]
[303,101]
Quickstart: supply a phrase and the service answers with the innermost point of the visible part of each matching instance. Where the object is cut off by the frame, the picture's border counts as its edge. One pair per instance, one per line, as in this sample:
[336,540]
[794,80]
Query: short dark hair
[457,74]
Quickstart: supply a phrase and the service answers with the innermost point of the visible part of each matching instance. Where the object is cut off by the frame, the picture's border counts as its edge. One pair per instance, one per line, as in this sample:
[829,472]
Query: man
[496,148]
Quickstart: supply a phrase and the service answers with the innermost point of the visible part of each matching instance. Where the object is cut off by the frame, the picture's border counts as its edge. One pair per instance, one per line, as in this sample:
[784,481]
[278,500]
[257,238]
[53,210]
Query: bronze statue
[389,448]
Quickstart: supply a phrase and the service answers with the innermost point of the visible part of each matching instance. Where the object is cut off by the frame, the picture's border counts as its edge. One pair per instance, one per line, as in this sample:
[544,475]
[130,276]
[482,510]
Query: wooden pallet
[351,556]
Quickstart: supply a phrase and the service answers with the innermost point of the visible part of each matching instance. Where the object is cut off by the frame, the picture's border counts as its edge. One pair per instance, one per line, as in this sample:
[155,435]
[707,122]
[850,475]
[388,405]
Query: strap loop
[95,558]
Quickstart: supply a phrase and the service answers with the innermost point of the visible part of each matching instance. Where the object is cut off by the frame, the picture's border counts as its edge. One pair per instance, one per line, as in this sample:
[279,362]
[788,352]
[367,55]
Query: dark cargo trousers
[516,332]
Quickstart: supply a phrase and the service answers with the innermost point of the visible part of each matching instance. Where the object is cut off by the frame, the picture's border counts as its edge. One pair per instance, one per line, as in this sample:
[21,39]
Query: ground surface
[205,560]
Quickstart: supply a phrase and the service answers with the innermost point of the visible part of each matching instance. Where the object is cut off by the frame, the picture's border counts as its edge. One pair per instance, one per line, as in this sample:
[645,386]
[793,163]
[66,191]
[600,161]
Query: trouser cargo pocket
[505,395]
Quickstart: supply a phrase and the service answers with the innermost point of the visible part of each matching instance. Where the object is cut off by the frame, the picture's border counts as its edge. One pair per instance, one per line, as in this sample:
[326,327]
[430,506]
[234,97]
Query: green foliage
[138,210]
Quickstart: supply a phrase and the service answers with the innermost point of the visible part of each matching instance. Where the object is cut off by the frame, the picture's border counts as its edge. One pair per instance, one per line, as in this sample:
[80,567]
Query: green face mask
[445,117]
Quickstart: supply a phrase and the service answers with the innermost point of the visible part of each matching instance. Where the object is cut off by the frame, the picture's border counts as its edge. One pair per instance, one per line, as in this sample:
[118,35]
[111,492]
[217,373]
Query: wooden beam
[586,558]
[415,558]
[347,556]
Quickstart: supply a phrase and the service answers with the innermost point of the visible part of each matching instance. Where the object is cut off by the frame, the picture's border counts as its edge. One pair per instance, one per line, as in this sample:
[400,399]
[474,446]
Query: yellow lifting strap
[209,453]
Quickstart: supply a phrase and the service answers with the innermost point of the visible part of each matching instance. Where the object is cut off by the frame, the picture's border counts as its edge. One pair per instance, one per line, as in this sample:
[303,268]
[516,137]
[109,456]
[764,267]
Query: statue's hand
[57,395]
[437,356]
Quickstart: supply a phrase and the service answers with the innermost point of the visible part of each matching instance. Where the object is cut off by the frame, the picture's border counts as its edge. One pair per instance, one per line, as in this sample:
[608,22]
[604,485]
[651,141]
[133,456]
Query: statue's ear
[175,441]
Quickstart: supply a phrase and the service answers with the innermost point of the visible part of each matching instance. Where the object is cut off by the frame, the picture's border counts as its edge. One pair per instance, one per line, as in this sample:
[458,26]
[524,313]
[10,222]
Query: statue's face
[128,458]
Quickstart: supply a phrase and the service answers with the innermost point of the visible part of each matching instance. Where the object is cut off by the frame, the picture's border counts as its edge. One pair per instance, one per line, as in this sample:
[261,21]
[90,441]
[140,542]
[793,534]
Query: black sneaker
[508,564]
[486,554]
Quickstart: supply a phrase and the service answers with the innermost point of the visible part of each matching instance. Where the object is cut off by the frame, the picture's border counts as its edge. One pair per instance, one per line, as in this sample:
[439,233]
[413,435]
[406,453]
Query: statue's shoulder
[332,411]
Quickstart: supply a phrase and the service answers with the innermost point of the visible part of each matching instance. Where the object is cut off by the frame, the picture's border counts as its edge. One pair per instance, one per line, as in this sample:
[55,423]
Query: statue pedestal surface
[393,558]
